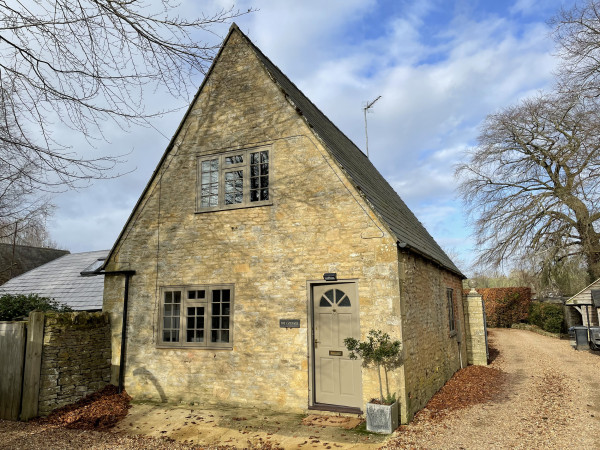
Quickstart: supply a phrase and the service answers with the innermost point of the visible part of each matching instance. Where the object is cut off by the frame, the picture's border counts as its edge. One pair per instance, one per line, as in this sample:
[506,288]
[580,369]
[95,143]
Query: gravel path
[551,400]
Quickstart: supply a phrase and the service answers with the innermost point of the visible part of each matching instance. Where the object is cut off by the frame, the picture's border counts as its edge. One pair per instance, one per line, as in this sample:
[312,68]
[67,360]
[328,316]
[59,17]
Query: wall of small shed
[318,223]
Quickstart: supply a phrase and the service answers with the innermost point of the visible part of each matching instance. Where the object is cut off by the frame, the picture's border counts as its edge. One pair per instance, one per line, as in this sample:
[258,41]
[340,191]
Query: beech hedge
[505,306]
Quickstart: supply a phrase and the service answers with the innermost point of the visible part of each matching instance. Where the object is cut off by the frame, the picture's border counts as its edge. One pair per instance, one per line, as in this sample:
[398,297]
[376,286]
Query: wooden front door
[337,377]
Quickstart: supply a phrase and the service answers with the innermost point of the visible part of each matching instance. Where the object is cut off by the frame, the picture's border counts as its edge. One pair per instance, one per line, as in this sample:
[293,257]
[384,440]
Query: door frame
[312,404]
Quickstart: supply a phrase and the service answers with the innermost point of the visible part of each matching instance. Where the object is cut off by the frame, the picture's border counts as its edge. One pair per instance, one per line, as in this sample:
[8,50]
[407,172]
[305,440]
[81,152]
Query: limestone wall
[475,327]
[431,350]
[75,358]
[317,223]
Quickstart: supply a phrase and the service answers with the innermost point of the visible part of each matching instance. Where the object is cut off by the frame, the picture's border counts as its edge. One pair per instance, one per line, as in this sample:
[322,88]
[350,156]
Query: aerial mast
[365,109]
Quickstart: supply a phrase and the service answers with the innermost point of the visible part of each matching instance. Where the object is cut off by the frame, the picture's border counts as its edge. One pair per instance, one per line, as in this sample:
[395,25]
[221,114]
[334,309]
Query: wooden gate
[12,355]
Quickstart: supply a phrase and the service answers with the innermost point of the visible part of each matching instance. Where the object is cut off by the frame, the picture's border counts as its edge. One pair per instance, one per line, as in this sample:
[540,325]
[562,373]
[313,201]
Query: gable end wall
[318,223]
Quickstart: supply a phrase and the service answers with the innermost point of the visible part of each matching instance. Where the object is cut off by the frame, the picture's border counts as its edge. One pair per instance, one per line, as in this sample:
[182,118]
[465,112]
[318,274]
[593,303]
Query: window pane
[324,302]
[264,157]
[234,159]
[168,310]
[254,171]
[264,182]
[216,309]
[167,322]
[253,196]
[225,309]
[338,295]
[176,310]
[225,336]
[215,323]
[168,297]
[166,336]
[202,294]
[191,295]
[254,158]
[264,194]
[214,336]
[344,302]
[225,322]
[225,293]
[177,297]
[216,295]
[264,169]
[175,336]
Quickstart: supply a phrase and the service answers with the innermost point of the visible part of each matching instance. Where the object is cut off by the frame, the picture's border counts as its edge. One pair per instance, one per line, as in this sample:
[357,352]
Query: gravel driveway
[551,400]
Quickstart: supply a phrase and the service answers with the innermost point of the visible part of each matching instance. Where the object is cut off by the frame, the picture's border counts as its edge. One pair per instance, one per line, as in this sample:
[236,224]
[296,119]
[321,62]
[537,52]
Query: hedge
[547,316]
[505,306]
[18,305]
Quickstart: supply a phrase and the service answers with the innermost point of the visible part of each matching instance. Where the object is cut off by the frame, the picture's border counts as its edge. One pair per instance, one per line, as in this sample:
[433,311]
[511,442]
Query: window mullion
[246,177]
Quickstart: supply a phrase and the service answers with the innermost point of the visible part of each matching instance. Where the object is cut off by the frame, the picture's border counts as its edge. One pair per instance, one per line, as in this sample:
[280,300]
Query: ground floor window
[196,316]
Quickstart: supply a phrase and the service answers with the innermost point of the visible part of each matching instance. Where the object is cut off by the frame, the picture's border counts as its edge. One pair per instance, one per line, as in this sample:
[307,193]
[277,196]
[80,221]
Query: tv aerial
[367,108]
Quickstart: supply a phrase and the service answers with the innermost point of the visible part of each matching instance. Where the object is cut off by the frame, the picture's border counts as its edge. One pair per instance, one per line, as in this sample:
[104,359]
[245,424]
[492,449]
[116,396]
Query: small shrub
[15,306]
[535,314]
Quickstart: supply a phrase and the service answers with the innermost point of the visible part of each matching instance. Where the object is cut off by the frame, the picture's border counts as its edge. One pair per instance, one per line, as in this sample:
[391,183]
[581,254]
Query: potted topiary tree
[379,351]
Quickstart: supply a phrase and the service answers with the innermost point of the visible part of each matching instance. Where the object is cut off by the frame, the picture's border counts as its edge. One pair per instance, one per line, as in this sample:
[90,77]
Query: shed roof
[584,296]
[61,280]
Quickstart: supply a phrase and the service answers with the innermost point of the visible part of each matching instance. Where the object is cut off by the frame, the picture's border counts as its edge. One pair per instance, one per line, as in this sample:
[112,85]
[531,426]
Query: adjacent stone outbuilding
[262,240]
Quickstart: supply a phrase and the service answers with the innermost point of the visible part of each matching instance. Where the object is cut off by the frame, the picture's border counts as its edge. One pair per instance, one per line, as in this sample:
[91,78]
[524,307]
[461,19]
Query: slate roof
[61,280]
[24,258]
[384,200]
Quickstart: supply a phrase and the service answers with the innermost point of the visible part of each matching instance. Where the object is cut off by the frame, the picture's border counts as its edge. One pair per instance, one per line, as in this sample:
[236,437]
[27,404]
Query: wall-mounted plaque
[289,323]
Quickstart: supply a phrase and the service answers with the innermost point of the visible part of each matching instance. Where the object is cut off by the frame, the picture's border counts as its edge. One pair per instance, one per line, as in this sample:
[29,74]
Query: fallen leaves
[98,411]
[469,386]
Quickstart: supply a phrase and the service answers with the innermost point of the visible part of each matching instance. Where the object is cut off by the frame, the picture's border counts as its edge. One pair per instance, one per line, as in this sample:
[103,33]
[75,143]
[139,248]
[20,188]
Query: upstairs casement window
[236,179]
[196,316]
[451,318]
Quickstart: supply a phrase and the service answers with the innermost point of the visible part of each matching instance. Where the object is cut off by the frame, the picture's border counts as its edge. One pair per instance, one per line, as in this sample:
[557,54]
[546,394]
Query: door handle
[316,342]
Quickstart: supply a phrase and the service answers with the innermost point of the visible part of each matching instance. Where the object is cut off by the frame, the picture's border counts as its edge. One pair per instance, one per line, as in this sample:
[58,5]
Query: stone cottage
[263,239]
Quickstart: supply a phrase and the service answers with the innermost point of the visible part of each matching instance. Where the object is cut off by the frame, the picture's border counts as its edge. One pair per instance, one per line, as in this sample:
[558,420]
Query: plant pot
[382,418]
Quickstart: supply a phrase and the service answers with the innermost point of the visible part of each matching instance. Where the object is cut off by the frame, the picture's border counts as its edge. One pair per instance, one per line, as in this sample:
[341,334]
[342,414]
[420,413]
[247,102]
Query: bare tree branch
[87,63]
[532,183]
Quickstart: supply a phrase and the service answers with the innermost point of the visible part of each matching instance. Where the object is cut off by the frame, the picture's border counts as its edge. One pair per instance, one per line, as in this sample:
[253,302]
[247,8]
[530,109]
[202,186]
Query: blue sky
[440,67]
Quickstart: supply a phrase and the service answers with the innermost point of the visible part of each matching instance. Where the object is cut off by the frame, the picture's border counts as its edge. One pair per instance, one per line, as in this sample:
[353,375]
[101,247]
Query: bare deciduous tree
[84,63]
[532,183]
[577,33]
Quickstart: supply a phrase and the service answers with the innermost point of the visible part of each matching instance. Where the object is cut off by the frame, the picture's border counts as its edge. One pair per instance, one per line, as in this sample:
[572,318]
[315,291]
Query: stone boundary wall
[75,358]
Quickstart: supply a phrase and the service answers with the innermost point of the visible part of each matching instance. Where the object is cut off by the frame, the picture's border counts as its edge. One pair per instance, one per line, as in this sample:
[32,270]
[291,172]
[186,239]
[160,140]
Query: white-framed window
[196,316]
[450,302]
[235,179]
